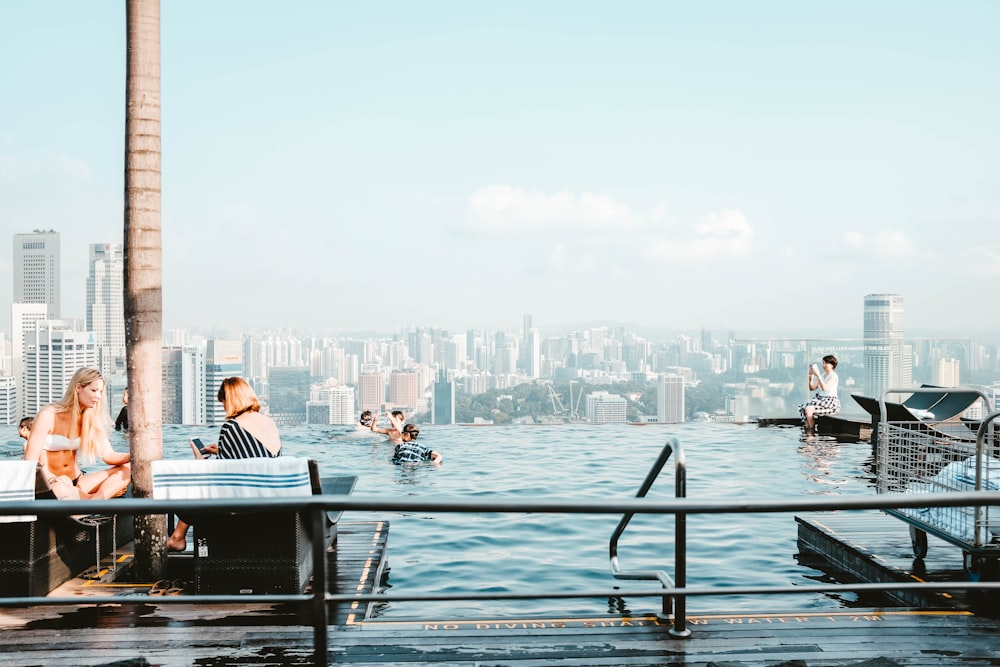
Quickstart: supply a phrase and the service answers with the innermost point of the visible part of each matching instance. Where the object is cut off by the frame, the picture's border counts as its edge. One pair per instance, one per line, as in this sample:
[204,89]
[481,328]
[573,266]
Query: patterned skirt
[824,405]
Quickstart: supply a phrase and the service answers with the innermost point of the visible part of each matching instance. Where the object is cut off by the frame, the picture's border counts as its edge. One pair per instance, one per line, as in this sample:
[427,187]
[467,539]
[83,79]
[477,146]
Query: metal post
[317,519]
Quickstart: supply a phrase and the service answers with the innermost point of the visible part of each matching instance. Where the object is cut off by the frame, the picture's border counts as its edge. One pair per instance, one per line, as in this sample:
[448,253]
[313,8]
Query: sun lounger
[933,412]
[39,554]
[248,553]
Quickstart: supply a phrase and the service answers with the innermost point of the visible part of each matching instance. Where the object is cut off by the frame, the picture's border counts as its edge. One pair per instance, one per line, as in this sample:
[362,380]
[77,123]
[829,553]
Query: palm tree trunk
[143,272]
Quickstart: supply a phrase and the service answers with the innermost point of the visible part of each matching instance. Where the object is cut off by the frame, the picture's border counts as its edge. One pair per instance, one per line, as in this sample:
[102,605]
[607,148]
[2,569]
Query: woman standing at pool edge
[78,425]
[826,401]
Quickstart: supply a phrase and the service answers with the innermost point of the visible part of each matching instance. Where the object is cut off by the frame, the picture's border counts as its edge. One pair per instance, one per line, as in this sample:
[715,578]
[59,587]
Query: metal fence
[316,506]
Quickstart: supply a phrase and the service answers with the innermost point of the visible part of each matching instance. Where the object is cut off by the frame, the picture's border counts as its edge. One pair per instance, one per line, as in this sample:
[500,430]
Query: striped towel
[17,482]
[232,478]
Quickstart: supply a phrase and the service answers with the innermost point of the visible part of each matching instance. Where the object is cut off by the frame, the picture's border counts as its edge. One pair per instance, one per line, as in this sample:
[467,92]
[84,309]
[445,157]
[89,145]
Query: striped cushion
[242,478]
[17,482]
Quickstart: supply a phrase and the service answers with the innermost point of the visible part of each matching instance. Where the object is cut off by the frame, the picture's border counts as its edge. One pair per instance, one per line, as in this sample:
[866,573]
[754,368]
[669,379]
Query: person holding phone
[826,401]
[246,434]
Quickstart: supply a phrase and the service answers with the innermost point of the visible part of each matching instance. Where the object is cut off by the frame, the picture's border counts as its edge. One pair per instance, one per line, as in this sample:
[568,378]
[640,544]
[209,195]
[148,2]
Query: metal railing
[671,608]
[316,506]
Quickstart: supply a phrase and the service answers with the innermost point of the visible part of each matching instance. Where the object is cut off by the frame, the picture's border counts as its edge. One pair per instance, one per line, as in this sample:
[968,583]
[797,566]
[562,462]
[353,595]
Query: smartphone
[201,447]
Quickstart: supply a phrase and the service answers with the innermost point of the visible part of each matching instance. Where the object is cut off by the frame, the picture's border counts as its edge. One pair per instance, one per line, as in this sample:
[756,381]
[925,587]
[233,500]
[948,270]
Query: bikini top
[60,443]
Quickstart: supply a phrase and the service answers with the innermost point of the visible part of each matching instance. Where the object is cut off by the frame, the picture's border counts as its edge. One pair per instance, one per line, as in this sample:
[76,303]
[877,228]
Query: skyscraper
[371,391]
[36,270]
[53,352]
[23,317]
[288,394]
[342,406]
[223,358]
[887,358]
[670,399]
[404,390]
[443,401]
[106,306]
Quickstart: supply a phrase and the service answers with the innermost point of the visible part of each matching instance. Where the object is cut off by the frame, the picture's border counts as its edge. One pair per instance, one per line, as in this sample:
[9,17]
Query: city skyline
[675,167]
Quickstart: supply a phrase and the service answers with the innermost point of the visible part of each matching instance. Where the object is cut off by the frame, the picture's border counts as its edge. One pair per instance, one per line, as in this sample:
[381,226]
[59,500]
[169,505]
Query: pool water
[451,552]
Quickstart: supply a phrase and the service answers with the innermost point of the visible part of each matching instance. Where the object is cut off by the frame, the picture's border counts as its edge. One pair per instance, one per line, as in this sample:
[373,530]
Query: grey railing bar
[700,591]
[469,505]
[316,505]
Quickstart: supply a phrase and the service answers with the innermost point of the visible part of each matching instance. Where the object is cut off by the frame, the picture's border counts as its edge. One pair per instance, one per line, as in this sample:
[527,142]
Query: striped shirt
[235,442]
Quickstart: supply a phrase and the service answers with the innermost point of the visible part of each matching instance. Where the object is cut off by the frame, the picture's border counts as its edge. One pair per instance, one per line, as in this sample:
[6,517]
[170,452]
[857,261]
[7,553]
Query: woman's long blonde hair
[94,423]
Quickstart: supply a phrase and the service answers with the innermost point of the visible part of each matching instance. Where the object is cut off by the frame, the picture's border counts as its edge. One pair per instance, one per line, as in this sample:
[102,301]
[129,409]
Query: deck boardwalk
[871,546]
[217,635]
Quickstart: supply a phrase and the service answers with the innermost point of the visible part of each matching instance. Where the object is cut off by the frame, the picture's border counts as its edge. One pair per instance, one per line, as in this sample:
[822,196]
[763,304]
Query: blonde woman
[246,434]
[74,427]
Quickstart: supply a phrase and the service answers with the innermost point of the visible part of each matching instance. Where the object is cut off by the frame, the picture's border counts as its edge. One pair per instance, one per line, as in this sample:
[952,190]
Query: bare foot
[176,543]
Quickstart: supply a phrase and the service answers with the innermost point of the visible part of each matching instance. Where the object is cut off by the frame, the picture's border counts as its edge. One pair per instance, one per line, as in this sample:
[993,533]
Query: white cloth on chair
[231,478]
[17,482]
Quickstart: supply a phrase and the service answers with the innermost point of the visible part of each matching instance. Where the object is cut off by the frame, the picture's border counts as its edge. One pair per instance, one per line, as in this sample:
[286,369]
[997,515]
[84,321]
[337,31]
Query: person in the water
[409,451]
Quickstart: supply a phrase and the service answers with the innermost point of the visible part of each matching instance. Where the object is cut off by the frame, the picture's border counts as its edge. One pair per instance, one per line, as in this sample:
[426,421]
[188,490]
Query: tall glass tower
[888,359]
[36,272]
[106,305]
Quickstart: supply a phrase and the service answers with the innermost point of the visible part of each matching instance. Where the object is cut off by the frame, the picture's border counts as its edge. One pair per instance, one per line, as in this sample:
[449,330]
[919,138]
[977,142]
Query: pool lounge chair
[37,554]
[250,553]
[934,412]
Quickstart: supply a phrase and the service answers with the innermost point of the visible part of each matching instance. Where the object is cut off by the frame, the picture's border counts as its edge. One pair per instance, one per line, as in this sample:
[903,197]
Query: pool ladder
[674,607]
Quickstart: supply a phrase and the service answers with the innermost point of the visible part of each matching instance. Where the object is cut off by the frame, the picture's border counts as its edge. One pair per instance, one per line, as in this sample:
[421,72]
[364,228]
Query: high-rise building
[23,317]
[945,373]
[36,269]
[223,359]
[8,400]
[342,405]
[404,390]
[605,408]
[443,401]
[288,393]
[887,358]
[670,399]
[533,348]
[54,351]
[371,391]
[106,306]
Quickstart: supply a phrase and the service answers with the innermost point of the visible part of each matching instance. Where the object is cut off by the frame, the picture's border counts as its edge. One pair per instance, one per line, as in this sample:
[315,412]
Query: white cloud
[892,243]
[719,235]
[506,210]
[988,263]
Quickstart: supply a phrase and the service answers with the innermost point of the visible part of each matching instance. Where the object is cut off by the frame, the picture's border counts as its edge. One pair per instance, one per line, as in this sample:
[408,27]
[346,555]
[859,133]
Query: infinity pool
[544,552]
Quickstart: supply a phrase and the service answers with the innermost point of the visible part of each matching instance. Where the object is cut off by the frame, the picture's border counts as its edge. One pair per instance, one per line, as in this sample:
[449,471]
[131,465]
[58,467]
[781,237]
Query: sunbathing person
[246,434]
[78,425]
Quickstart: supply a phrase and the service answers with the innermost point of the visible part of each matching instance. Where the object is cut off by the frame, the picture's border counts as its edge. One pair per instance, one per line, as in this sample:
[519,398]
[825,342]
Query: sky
[367,166]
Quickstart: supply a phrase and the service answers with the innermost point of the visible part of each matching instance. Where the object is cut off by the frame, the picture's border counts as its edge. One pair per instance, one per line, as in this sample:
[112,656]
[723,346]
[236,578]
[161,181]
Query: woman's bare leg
[178,539]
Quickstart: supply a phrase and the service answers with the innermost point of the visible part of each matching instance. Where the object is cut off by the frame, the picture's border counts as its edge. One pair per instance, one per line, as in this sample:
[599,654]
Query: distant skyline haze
[756,167]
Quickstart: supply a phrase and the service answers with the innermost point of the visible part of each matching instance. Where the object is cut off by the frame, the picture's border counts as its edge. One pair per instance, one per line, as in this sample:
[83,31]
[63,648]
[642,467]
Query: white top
[830,382]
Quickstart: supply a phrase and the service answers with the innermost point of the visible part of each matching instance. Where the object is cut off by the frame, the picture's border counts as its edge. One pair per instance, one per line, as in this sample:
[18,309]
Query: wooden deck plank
[266,635]
[872,546]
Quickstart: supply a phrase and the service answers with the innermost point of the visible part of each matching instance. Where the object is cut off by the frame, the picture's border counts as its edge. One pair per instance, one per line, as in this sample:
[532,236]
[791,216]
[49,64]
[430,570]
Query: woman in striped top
[246,434]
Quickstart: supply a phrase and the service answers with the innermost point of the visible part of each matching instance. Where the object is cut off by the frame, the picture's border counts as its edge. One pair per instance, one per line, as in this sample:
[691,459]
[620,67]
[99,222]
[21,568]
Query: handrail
[671,607]
[317,505]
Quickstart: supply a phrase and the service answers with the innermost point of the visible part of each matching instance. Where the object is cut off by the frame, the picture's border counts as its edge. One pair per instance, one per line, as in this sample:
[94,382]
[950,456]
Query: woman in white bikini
[76,426]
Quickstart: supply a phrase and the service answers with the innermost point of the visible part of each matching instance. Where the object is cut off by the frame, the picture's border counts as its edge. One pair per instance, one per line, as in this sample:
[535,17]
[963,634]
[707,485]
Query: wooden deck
[175,635]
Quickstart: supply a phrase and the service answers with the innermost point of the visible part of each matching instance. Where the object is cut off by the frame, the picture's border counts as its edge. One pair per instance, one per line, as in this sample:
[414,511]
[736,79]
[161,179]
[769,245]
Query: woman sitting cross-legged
[78,425]
[246,434]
